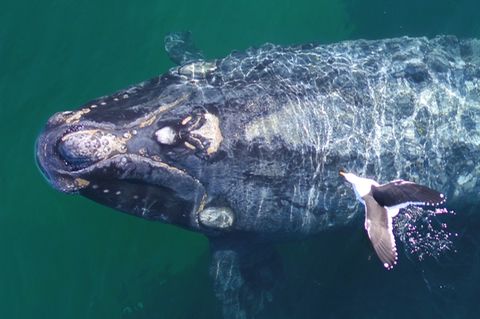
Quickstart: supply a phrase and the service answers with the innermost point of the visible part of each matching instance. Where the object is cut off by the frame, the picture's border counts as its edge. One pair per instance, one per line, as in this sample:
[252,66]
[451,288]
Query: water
[66,257]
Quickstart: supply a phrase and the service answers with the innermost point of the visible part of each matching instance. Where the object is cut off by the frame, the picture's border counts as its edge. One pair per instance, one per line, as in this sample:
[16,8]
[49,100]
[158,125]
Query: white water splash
[423,233]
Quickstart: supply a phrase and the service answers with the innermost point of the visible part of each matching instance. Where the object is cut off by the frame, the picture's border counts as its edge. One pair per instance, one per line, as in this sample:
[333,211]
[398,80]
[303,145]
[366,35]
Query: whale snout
[65,146]
[48,158]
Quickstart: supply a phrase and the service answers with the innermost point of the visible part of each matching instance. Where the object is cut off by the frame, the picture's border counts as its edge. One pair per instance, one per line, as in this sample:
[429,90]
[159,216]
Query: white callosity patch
[81,183]
[92,145]
[68,117]
[210,132]
[216,217]
[76,116]
[166,135]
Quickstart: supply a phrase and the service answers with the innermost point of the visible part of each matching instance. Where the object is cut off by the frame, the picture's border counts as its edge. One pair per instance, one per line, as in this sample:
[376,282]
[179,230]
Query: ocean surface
[66,257]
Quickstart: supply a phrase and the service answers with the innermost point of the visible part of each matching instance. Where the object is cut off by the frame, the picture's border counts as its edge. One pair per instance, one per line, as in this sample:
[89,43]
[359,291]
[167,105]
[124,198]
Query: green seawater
[66,257]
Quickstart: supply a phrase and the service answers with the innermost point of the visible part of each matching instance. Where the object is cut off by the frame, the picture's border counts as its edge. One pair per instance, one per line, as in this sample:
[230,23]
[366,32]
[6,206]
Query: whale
[246,149]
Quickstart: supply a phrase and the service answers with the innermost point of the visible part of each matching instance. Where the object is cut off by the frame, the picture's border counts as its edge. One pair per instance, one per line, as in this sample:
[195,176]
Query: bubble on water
[423,232]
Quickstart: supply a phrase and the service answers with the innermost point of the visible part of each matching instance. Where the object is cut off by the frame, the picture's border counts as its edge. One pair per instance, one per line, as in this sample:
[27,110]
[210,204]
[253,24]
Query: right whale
[246,149]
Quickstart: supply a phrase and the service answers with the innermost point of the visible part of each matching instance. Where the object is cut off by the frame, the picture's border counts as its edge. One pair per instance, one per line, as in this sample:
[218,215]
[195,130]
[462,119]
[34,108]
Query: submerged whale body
[246,149]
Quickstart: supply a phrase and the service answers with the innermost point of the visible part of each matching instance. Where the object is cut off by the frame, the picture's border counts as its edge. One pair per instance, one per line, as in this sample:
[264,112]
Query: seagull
[382,203]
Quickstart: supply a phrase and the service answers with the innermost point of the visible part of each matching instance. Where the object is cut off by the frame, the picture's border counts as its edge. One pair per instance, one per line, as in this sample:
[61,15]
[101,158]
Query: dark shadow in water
[333,275]
[163,294]
[337,275]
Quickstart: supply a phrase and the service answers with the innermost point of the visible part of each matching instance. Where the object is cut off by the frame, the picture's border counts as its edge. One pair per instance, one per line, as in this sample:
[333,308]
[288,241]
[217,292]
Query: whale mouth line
[141,186]
[135,184]
[124,165]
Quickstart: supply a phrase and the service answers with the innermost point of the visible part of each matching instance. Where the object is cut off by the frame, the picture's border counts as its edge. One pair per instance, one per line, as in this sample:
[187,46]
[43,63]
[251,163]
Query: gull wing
[379,227]
[403,193]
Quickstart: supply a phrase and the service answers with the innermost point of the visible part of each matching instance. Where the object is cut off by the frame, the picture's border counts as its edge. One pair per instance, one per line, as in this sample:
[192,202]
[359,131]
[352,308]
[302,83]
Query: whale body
[246,149]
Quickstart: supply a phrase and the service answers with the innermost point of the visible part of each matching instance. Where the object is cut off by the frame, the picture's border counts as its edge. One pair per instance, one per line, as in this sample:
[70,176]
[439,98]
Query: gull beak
[342,173]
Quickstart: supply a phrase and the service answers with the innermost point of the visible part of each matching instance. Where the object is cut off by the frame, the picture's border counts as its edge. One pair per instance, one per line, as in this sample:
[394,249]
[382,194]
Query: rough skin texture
[262,135]
[291,117]
[399,108]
